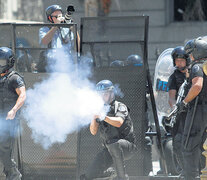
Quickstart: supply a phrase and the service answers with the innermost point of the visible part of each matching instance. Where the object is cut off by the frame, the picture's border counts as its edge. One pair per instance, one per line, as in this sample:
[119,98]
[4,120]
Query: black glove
[182,107]
[98,120]
[164,121]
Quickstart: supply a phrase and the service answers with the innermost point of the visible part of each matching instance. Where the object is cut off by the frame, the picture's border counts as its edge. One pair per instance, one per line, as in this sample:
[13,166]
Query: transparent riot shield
[163,69]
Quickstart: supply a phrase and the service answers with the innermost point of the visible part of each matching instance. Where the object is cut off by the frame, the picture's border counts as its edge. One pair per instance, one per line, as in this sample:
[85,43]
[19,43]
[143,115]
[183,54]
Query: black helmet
[134,60]
[189,46]
[117,63]
[198,48]
[179,52]
[7,59]
[51,9]
[106,86]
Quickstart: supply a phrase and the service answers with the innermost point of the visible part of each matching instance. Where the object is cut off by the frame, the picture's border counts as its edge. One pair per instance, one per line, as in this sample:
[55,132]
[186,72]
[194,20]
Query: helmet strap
[111,97]
[182,68]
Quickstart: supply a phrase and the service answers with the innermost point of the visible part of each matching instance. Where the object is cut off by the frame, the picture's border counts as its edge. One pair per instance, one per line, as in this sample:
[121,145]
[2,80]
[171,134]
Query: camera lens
[70,9]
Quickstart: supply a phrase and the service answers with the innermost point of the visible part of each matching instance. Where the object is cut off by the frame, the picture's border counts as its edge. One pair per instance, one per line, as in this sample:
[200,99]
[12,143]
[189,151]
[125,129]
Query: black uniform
[118,143]
[175,81]
[192,152]
[8,98]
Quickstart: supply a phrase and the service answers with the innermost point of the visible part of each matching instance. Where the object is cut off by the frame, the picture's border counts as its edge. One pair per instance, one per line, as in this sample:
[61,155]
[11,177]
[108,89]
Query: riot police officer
[12,97]
[181,62]
[116,131]
[196,104]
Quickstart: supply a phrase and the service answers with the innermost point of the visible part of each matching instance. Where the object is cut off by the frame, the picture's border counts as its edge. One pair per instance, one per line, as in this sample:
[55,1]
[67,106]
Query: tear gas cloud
[62,103]
[6,127]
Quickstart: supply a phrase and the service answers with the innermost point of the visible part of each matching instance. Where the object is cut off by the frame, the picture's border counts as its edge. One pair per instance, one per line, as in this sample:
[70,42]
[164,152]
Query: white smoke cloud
[62,103]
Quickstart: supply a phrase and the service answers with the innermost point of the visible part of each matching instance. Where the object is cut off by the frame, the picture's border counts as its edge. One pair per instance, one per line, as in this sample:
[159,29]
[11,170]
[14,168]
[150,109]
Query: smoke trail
[62,103]
[7,127]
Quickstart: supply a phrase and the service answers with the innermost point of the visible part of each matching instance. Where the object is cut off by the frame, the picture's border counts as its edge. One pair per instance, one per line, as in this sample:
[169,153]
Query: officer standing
[196,102]
[12,97]
[116,131]
[181,62]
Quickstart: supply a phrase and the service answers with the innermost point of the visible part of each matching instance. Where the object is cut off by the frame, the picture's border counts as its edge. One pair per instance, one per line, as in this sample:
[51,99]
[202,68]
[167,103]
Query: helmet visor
[104,93]
[3,62]
[107,95]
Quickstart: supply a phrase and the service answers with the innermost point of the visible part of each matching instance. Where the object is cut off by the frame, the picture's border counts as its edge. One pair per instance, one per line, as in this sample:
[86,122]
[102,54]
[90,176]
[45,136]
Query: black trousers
[177,139]
[115,152]
[192,152]
[7,138]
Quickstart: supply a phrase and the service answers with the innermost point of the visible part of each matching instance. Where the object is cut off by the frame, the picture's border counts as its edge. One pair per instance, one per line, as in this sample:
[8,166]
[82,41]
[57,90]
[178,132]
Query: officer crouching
[116,131]
[195,103]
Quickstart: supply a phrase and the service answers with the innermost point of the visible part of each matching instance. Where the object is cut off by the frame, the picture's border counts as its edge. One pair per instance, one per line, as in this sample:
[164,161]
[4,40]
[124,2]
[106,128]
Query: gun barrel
[172,113]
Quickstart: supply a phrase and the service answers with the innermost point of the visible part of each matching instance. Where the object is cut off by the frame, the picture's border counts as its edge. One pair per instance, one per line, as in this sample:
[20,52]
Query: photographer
[56,37]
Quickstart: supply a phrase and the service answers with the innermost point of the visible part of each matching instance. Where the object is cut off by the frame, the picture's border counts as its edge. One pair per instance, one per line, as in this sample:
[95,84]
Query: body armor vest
[109,133]
[203,93]
[8,98]
[180,77]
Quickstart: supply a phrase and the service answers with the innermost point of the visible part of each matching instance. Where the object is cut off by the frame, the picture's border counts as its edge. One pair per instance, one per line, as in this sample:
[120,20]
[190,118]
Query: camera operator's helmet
[197,47]
[117,63]
[7,59]
[179,52]
[107,90]
[134,60]
[51,9]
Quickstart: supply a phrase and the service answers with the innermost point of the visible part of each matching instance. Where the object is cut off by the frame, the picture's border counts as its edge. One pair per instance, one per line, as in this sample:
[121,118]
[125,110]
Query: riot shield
[163,69]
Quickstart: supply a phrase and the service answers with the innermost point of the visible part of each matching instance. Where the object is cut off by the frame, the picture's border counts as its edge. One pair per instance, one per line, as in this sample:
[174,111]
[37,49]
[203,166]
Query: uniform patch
[195,69]
[19,80]
[122,108]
